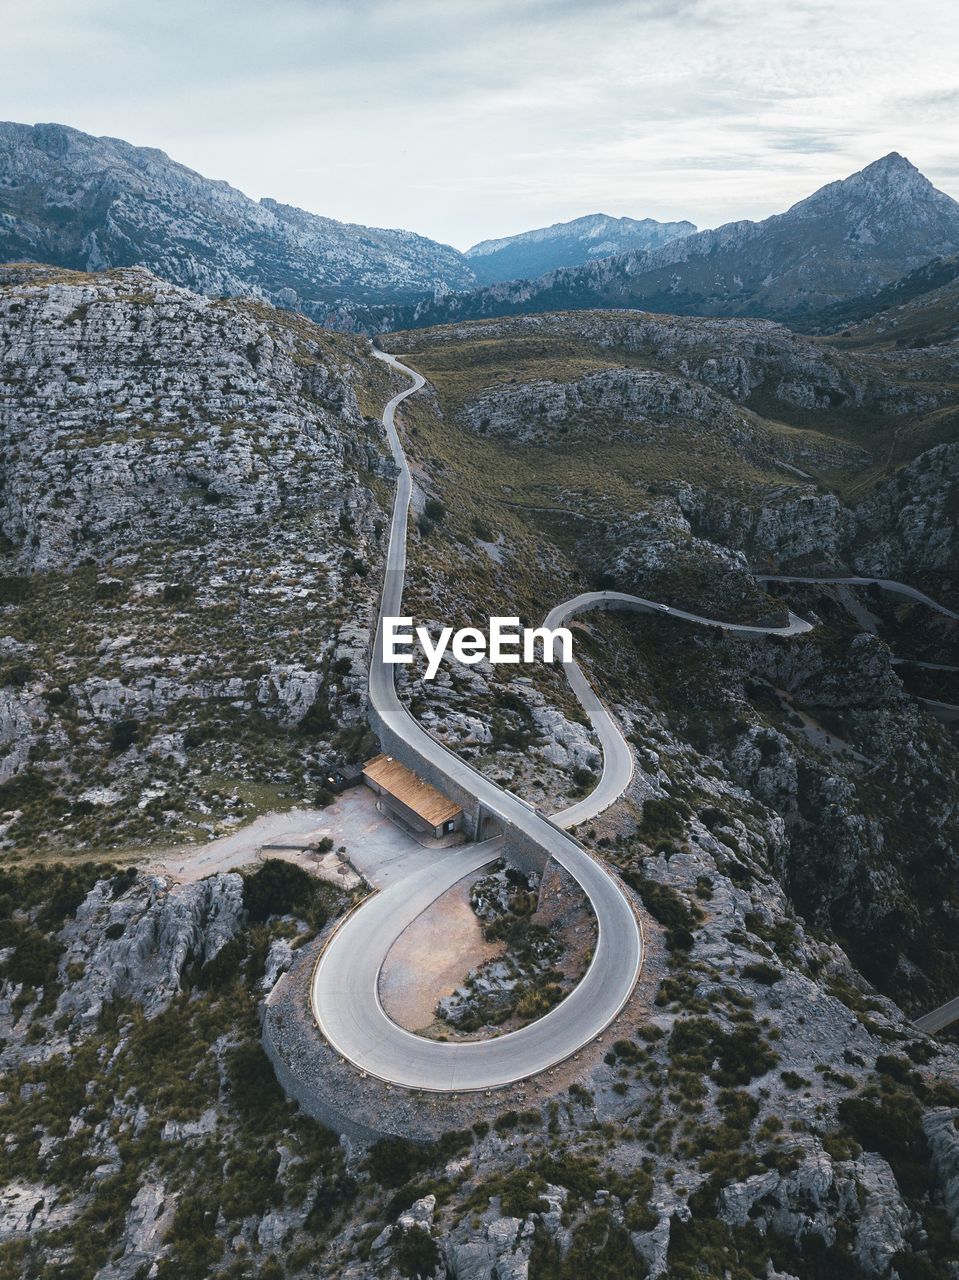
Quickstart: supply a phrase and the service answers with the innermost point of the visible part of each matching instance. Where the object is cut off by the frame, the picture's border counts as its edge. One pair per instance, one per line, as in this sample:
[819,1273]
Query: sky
[470,119]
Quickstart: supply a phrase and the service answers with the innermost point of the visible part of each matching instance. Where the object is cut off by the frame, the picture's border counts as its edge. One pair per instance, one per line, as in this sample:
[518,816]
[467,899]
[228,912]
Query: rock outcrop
[187,503]
[136,943]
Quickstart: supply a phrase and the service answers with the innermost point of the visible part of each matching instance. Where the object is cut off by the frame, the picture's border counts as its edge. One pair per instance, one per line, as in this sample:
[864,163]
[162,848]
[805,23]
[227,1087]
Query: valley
[691,947]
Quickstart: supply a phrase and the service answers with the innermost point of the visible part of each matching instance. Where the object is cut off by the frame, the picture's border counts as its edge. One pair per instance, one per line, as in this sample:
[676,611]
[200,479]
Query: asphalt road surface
[344,988]
[939,1018]
[887,584]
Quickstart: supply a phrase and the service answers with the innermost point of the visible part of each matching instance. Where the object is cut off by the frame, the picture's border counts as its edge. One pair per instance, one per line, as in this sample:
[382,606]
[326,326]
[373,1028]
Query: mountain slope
[568,244]
[662,456]
[846,239]
[195,508]
[91,203]
[187,512]
[919,309]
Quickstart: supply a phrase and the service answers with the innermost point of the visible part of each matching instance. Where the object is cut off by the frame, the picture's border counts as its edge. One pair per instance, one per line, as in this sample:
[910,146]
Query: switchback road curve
[344,987]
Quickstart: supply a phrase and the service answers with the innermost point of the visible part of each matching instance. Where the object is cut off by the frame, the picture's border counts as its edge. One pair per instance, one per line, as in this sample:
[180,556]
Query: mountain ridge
[89,203]
[846,239]
[565,244]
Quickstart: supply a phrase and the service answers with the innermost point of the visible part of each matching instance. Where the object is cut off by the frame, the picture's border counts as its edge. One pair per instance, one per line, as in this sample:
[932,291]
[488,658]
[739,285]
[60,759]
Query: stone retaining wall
[299,1054]
[358,1106]
[520,850]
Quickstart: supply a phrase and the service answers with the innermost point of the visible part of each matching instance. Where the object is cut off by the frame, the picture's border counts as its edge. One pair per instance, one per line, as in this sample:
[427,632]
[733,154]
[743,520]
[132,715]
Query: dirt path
[372,844]
[238,849]
[432,956]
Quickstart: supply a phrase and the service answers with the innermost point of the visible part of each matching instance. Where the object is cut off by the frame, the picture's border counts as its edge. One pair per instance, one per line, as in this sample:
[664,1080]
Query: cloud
[465,121]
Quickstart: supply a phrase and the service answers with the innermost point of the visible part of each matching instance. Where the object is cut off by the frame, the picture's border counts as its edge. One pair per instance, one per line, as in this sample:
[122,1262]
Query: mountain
[178,458]
[88,203]
[847,239]
[568,244]
[194,516]
[919,309]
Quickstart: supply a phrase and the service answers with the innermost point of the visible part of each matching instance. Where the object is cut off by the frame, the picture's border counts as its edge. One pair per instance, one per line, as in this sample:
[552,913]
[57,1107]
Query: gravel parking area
[376,847]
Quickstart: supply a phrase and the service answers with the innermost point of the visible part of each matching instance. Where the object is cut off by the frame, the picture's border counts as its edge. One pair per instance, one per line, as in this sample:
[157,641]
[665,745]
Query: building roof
[407,787]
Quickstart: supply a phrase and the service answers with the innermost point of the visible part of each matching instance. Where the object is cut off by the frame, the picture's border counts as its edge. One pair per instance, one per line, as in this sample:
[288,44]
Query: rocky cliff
[194,501]
[759,1103]
[190,509]
[93,203]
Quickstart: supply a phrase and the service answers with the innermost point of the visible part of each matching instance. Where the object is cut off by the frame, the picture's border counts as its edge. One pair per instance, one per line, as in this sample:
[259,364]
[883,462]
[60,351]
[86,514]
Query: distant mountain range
[72,200]
[846,240]
[568,244]
[86,203]
[90,203]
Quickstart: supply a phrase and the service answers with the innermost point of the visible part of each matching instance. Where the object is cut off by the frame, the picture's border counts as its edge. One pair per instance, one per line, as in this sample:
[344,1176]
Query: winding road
[887,584]
[344,986]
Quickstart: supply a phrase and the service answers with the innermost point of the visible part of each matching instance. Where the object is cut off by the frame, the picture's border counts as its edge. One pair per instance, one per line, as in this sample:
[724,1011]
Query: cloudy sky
[464,119]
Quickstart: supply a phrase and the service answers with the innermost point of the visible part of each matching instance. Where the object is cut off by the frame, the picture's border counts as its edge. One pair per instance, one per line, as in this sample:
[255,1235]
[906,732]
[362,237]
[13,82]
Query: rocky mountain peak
[890,181]
[845,241]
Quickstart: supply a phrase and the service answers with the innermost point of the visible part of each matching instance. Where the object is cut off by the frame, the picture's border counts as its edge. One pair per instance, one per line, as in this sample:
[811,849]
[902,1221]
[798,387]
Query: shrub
[666,906]
[317,719]
[415,1254]
[662,817]
[35,958]
[196,1246]
[892,1127]
[519,1192]
[743,1055]
[14,590]
[276,888]
[452,1143]
[792,1080]
[110,590]
[16,675]
[763,973]
[393,1161]
[224,967]
[433,509]
[123,735]
[900,1069]
[253,1082]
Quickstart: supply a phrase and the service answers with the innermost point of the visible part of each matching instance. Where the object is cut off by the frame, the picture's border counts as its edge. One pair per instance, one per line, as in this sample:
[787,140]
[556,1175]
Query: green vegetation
[70,1120]
[668,907]
[415,1254]
[278,887]
[741,1055]
[600,1249]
